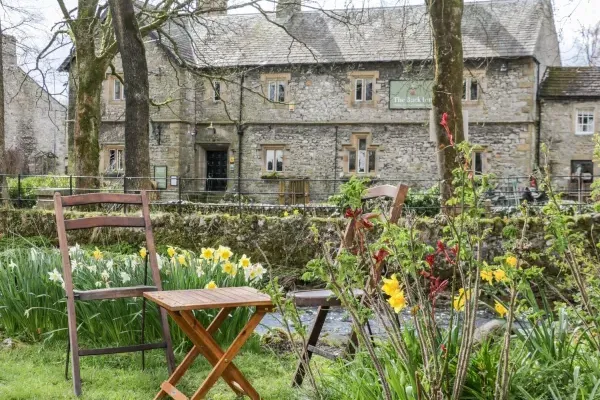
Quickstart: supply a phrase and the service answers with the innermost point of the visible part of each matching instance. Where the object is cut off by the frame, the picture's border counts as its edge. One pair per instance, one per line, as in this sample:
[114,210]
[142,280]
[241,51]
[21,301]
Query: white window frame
[217,91]
[272,154]
[363,90]
[119,159]
[467,83]
[278,84]
[120,92]
[362,157]
[588,127]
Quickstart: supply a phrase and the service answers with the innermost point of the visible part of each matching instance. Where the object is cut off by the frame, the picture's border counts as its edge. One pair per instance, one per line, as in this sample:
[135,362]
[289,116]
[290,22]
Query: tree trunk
[137,97]
[446,22]
[3,180]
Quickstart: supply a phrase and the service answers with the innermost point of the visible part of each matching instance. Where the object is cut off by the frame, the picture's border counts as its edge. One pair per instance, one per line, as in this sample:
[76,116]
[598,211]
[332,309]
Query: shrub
[30,185]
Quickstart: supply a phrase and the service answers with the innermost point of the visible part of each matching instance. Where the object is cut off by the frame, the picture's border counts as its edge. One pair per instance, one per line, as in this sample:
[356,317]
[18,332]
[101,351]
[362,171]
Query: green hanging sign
[410,94]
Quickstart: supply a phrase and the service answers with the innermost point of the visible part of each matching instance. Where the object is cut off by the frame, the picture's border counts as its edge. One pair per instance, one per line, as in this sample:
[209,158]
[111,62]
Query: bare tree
[588,44]
[446,22]
[3,186]
[137,100]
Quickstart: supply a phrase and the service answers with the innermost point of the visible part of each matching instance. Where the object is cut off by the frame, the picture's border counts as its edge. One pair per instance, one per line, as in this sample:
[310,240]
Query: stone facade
[35,121]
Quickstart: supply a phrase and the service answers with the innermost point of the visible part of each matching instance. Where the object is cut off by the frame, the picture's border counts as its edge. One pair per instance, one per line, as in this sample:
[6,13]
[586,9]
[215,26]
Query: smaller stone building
[35,120]
[570,110]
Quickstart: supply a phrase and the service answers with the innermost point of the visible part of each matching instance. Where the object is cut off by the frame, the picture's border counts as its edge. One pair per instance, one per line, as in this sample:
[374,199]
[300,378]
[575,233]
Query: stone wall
[35,121]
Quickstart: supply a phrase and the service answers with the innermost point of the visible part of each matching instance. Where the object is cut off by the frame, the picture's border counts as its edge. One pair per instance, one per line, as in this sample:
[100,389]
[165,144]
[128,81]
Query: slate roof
[571,82]
[497,28]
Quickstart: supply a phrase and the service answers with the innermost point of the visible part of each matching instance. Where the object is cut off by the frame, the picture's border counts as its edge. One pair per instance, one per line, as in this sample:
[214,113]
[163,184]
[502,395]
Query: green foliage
[31,184]
[33,307]
[350,195]
[425,203]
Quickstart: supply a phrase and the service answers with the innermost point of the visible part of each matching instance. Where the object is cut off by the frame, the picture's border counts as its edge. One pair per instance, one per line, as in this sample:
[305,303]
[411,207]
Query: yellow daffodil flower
[286,214]
[211,285]
[207,253]
[296,212]
[500,309]
[397,300]
[97,254]
[500,275]
[244,261]
[390,285]
[171,252]
[512,261]
[487,276]
[181,259]
[459,301]
[229,268]
[225,253]
[143,252]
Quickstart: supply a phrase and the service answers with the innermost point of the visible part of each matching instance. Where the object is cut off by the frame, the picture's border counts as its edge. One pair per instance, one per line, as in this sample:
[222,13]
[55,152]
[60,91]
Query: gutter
[538,132]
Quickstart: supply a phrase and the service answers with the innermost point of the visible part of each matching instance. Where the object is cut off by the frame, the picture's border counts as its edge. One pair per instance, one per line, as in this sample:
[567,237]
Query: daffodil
[296,212]
[171,252]
[229,268]
[55,276]
[211,285]
[390,286]
[97,254]
[105,275]
[500,309]
[143,252]
[397,300]
[286,214]
[125,277]
[512,261]
[500,275]
[487,276]
[255,272]
[225,253]
[244,261]
[459,301]
[181,259]
[207,253]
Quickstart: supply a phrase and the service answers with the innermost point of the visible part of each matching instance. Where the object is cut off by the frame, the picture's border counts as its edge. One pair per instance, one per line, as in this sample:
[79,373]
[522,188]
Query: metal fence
[266,194]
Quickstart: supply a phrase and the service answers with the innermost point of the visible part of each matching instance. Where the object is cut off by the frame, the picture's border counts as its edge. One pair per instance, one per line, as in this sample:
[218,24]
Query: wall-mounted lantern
[211,130]
[157,131]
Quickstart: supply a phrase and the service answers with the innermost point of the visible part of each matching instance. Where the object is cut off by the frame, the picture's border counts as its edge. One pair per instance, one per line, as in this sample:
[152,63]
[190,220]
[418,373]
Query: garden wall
[287,242]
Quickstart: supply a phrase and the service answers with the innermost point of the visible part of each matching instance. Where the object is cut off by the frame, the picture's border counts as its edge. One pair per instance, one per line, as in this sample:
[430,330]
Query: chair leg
[143,328]
[67,359]
[74,345]
[313,338]
[166,334]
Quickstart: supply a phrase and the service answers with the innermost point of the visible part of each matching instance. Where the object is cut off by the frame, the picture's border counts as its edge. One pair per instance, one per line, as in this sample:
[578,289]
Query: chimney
[212,7]
[9,51]
[287,8]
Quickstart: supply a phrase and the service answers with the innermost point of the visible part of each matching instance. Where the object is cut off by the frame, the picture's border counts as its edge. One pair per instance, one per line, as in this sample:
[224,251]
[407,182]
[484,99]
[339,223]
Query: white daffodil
[255,272]
[74,251]
[199,271]
[110,265]
[105,275]
[74,265]
[125,277]
[92,268]
[99,284]
[12,265]
[55,276]
[33,253]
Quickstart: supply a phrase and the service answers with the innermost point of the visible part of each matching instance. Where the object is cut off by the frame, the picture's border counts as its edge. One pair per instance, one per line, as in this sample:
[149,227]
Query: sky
[43,15]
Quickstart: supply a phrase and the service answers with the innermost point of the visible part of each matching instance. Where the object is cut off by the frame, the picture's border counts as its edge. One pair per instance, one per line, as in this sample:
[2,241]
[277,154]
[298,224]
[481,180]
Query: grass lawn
[37,372]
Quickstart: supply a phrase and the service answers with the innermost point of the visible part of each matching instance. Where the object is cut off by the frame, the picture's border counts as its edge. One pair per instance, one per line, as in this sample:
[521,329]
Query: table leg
[195,352]
[225,358]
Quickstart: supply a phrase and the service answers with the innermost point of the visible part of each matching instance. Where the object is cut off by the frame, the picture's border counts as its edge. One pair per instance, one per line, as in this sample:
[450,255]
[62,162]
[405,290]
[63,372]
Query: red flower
[350,213]
[440,246]
[444,123]
[380,255]
[430,259]
[444,349]
[454,249]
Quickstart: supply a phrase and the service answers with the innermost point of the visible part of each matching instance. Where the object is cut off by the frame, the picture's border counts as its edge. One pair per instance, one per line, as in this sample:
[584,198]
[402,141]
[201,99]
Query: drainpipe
[538,133]
[335,160]
[240,132]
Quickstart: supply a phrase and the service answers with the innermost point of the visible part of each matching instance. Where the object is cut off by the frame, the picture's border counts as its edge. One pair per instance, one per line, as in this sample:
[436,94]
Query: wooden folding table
[180,304]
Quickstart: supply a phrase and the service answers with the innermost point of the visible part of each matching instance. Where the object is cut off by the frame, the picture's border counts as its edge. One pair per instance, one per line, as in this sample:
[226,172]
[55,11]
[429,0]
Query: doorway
[216,171]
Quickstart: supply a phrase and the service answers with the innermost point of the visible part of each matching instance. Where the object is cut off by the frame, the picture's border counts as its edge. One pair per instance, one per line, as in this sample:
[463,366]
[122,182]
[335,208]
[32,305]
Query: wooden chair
[110,293]
[325,299]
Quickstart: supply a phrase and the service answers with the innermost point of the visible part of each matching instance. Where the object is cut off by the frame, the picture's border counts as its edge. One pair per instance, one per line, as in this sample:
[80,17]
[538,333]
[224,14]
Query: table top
[200,299]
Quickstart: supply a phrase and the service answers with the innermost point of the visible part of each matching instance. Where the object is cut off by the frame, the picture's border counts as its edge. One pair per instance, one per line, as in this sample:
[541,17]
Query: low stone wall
[288,243]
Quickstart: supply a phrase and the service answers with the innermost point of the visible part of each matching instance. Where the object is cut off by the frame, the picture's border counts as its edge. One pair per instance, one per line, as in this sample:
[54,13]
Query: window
[585,122]
[160,176]
[118,90]
[363,89]
[583,168]
[274,160]
[116,160]
[470,89]
[217,90]
[477,162]
[362,156]
[277,91]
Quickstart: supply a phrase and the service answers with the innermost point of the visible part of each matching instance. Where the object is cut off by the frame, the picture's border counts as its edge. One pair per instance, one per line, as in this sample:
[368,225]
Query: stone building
[570,110]
[34,120]
[309,94]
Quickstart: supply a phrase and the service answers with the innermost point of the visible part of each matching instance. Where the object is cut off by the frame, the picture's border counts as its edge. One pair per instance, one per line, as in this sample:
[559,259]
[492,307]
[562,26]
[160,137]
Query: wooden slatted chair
[110,293]
[325,299]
